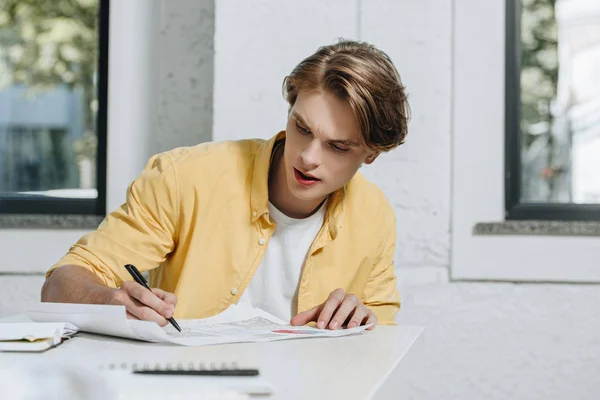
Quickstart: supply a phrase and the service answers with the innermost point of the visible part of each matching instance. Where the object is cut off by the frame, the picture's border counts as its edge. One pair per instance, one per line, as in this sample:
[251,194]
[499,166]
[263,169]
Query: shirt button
[261,241]
[234,291]
[254,213]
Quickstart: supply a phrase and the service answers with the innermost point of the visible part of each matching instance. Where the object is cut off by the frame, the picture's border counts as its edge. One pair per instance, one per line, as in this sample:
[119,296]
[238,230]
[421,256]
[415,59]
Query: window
[53,92]
[479,169]
[553,110]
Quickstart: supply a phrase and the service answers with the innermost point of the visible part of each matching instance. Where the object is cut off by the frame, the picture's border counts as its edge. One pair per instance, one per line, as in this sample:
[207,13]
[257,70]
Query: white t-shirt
[274,286]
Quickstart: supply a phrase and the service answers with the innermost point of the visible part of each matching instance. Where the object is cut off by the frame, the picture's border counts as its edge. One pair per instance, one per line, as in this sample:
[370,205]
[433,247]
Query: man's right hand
[142,304]
[74,284]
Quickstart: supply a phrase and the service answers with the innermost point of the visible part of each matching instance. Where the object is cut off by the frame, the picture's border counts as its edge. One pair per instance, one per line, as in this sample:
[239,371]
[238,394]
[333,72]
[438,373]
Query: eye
[302,129]
[338,148]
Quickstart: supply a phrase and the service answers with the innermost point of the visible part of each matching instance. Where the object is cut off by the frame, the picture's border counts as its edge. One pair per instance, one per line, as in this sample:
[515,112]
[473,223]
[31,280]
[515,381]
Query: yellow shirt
[198,219]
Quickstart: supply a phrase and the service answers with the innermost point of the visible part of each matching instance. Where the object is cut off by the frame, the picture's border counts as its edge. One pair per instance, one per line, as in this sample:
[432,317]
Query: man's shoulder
[367,192]
[367,200]
[203,165]
[218,154]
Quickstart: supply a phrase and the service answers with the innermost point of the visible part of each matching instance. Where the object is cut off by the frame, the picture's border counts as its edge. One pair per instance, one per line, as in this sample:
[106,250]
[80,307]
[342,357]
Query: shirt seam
[177,233]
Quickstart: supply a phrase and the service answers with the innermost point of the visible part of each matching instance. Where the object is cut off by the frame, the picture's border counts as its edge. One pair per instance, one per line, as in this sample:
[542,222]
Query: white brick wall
[257,43]
[498,341]
[416,176]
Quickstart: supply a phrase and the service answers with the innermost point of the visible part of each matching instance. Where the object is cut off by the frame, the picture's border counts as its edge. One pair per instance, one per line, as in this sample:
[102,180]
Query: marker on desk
[137,276]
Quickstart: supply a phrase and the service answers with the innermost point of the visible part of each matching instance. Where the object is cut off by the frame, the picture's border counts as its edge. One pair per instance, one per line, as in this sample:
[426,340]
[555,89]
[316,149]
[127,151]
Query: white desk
[355,367]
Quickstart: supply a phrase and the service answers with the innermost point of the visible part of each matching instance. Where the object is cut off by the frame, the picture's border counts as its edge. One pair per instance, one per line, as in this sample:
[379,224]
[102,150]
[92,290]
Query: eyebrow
[339,141]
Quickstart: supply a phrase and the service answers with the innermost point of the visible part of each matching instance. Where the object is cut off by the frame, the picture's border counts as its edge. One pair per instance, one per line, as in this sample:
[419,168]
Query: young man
[286,225]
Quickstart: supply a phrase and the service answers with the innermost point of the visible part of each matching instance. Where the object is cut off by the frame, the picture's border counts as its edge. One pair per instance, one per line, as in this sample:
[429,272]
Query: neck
[280,195]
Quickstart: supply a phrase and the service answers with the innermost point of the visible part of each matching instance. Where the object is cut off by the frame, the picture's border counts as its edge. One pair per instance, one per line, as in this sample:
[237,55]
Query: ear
[371,157]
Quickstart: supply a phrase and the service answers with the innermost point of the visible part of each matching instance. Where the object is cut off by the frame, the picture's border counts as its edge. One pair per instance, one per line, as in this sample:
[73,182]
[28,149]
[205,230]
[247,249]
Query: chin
[306,194]
[306,197]
[303,194]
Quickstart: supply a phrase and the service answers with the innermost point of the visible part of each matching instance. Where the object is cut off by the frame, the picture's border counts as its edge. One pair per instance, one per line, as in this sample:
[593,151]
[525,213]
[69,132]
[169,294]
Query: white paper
[234,325]
[242,324]
[107,320]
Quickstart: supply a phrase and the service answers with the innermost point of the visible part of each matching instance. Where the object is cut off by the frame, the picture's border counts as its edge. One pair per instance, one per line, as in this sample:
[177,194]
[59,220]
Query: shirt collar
[259,200]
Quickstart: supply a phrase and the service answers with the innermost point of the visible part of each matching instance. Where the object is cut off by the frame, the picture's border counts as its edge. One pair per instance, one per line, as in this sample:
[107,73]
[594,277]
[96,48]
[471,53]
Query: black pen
[139,278]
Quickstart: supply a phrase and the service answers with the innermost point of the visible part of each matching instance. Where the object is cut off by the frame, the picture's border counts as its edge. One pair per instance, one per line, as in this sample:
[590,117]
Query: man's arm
[74,284]
[141,232]
[381,294]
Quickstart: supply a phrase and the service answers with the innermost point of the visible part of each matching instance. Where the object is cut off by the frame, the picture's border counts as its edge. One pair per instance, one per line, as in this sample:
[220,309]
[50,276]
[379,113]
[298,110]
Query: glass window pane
[48,97]
[560,101]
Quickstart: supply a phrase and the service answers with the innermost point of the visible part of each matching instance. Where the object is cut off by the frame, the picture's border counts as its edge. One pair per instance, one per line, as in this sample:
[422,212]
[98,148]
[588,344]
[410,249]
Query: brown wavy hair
[366,77]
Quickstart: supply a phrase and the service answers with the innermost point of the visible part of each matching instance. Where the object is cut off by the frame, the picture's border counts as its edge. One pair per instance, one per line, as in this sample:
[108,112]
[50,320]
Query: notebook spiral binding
[191,366]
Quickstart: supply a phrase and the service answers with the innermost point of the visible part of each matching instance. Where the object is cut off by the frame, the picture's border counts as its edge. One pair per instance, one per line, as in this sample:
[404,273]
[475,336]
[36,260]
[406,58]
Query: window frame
[515,209]
[34,204]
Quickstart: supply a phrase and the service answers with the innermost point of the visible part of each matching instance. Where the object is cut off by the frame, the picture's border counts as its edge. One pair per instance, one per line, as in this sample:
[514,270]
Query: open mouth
[304,177]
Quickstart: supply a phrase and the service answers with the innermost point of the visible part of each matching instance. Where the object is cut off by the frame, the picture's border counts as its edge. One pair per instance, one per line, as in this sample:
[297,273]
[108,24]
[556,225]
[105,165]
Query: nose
[311,155]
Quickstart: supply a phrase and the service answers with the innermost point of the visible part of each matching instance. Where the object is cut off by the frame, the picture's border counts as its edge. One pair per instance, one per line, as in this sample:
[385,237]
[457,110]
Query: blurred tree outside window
[560,101]
[48,96]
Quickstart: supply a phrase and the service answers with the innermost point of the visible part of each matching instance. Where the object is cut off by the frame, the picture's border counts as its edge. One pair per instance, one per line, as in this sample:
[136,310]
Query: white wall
[416,177]
[256,45]
[185,76]
[498,341]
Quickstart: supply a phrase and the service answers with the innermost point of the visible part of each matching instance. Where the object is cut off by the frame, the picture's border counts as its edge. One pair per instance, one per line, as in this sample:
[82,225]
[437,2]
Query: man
[286,225]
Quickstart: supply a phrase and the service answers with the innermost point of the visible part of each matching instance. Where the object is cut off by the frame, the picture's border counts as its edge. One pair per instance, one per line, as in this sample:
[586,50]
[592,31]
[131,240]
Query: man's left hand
[338,309]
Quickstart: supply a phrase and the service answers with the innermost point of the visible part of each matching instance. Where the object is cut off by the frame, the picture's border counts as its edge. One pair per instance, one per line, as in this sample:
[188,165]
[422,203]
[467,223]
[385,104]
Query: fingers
[350,305]
[144,304]
[358,317]
[148,298]
[167,297]
[338,309]
[331,304]
[141,311]
[305,317]
[135,309]
[131,316]
[372,319]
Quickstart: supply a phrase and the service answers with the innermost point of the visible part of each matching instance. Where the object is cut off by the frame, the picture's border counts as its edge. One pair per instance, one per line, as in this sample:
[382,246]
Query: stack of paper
[31,336]
[236,324]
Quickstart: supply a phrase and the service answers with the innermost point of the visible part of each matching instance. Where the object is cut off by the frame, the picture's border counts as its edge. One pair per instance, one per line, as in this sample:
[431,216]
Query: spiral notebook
[32,336]
[223,376]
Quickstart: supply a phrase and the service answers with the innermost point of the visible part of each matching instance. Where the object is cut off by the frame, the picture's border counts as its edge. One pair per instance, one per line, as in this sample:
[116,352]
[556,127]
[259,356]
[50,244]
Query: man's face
[323,147]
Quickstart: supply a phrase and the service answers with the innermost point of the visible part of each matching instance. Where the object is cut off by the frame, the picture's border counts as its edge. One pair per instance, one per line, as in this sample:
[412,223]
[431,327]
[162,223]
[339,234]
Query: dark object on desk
[199,372]
[137,276]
